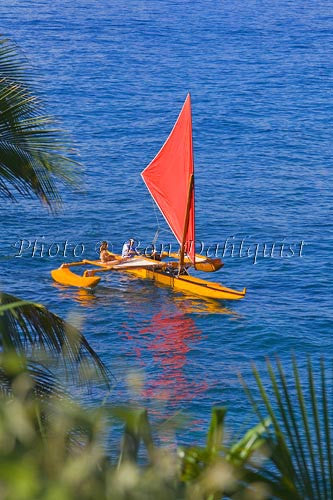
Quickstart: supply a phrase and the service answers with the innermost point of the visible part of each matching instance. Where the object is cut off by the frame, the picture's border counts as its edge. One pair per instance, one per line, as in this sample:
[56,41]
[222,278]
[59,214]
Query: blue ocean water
[115,74]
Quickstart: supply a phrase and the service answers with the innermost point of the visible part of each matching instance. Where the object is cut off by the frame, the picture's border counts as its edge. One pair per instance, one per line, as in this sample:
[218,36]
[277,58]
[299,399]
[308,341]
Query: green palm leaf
[11,64]
[301,432]
[30,327]
[43,383]
[33,153]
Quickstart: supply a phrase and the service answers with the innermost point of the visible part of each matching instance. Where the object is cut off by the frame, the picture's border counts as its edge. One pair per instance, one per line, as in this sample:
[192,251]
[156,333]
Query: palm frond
[302,425]
[34,154]
[42,384]
[27,326]
[11,63]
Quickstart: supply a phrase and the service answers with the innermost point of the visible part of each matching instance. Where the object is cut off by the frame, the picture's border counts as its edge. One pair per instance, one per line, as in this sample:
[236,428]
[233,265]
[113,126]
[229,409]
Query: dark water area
[115,74]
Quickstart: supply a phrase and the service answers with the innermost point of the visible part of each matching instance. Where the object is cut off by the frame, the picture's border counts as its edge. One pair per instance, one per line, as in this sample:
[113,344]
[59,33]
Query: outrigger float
[170,181]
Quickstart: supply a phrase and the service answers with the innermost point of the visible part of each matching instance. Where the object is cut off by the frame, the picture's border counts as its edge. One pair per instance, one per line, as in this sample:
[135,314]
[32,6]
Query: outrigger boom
[170,181]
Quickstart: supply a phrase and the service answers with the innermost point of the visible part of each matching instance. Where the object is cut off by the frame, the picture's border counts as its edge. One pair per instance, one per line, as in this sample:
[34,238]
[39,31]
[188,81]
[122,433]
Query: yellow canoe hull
[209,265]
[65,276]
[205,264]
[191,285]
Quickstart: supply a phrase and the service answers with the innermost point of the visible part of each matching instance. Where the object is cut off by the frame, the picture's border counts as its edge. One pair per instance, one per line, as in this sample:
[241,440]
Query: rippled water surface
[116,75]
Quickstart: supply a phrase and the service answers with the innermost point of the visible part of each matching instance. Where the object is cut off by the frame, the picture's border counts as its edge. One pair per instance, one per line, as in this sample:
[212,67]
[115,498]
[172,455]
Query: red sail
[169,179]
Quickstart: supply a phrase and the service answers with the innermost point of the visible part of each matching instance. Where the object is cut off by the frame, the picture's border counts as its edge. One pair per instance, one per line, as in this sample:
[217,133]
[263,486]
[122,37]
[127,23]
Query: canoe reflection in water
[168,348]
[164,348]
[170,338]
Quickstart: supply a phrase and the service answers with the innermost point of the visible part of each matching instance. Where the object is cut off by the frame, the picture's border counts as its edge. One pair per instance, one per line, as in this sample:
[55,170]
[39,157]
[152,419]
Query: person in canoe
[105,256]
[129,250]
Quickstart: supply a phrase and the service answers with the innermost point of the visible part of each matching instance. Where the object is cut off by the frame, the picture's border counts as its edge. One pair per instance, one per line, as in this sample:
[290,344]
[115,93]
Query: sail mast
[186,222]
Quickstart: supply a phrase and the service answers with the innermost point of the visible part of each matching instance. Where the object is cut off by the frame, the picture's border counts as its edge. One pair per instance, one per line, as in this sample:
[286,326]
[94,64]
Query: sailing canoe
[170,181]
[160,272]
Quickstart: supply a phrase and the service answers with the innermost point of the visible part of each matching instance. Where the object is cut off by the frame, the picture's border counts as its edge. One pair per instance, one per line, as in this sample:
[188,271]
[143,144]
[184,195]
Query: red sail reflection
[170,338]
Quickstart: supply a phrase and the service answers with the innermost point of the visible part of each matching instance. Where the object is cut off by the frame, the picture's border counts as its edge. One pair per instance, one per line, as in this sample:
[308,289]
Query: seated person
[155,255]
[128,249]
[105,256]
